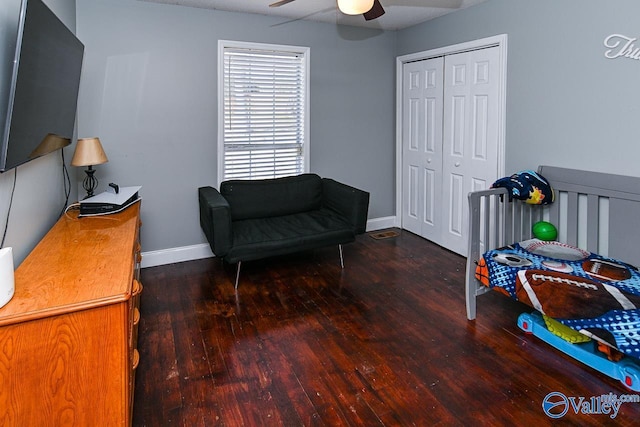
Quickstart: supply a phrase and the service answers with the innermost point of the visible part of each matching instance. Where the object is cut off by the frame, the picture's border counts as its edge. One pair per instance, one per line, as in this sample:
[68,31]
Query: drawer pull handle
[137,288]
[136,359]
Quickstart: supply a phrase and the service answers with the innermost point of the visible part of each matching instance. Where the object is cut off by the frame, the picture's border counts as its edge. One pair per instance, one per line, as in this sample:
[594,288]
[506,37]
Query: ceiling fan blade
[444,4]
[280,3]
[375,12]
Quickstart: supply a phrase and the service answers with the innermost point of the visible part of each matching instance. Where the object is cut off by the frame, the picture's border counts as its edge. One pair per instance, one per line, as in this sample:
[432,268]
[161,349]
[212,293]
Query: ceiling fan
[368,8]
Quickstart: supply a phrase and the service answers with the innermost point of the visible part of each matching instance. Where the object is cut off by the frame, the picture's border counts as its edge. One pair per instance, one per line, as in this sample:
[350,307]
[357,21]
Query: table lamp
[89,152]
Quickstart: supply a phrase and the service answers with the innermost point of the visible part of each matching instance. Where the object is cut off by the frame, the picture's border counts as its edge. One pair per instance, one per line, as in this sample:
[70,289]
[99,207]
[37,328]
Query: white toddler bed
[596,214]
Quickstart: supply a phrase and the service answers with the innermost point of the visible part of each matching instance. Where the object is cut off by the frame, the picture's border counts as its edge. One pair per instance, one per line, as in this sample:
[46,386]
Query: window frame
[304,51]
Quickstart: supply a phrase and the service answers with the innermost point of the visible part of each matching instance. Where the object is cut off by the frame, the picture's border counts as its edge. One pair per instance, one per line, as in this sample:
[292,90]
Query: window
[263,104]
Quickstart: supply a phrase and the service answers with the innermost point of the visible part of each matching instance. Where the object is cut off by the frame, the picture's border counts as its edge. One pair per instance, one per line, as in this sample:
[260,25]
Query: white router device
[7,284]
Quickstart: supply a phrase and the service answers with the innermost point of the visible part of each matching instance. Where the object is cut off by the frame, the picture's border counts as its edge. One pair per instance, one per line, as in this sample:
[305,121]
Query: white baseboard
[173,255]
[203,250]
[380,223]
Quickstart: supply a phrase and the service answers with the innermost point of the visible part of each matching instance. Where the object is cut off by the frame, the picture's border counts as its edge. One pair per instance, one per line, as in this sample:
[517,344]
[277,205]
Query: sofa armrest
[350,202]
[215,220]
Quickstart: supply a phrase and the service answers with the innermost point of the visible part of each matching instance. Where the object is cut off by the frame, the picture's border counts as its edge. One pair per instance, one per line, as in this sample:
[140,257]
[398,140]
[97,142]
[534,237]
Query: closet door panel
[422,147]
[470,137]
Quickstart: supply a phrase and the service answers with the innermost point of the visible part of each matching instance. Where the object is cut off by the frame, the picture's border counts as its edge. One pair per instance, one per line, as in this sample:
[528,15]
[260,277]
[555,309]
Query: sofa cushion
[254,199]
[262,237]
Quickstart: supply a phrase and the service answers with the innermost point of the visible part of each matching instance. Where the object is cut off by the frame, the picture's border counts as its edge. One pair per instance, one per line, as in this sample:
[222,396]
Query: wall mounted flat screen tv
[43,87]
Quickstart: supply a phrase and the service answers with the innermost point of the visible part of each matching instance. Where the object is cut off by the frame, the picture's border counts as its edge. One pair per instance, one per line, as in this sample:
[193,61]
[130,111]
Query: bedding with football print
[592,294]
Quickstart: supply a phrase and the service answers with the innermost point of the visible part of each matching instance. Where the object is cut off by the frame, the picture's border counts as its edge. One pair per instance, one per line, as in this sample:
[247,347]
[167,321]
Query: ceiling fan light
[354,7]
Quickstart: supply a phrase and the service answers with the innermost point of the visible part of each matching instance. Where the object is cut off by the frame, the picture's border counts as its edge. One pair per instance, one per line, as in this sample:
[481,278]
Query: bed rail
[596,211]
[494,221]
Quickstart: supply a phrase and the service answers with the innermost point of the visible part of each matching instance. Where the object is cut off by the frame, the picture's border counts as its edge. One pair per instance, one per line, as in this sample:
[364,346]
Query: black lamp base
[90,182]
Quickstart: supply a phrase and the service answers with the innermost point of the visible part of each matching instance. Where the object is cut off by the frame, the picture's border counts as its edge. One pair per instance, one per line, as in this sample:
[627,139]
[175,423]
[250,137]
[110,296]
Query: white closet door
[422,147]
[470,137]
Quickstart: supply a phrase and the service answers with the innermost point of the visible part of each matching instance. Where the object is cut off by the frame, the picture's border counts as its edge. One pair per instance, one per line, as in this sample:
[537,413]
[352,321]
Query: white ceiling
[399,13]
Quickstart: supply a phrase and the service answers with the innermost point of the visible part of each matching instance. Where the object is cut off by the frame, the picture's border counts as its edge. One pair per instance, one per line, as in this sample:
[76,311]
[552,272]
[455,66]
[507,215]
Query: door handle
[429,160]
[457,164]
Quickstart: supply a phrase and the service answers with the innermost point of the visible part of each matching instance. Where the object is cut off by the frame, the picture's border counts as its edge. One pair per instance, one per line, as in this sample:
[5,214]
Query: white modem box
[7,284]
[109,201]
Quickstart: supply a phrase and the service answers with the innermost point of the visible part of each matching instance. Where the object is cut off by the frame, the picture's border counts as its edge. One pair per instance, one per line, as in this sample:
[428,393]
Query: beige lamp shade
[89,152]
[49,143]
[354,7]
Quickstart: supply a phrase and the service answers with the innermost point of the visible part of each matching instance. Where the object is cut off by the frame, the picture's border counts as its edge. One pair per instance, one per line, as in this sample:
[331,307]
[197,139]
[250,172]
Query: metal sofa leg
[238,274]
[341,258]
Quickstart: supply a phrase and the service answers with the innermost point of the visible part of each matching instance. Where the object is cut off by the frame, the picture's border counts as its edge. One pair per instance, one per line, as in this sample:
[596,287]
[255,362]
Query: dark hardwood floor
[383,342]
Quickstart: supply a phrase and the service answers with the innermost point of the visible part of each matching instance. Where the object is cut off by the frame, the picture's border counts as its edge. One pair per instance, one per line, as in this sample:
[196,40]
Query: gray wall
[149,91]
[567,105]
[39,191]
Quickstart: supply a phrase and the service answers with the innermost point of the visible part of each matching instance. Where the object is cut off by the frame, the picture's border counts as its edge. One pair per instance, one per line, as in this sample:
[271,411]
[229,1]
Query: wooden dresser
[68,337]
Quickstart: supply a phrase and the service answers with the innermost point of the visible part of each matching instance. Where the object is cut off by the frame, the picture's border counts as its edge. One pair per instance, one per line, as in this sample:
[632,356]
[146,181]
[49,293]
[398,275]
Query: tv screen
[44,85]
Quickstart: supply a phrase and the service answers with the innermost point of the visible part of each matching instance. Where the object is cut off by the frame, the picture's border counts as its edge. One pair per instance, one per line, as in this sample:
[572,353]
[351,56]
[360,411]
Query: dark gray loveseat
[248,220]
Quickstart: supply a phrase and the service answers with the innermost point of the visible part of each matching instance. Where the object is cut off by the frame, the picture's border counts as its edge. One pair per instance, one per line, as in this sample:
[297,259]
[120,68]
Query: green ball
[544,230]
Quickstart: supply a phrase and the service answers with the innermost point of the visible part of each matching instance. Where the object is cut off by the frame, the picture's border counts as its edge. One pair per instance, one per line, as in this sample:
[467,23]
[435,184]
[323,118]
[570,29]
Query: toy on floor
[625,370]
[564,332]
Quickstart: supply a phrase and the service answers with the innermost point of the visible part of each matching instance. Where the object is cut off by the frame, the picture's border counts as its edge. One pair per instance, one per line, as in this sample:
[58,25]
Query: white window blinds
[264,105]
